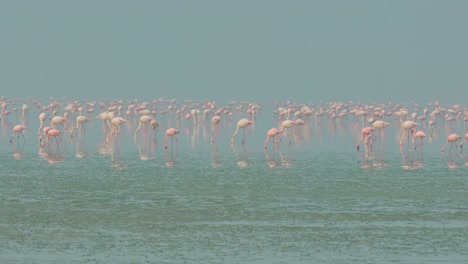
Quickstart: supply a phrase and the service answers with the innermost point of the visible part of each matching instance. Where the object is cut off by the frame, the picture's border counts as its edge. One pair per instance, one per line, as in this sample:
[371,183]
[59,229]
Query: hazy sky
[369,51]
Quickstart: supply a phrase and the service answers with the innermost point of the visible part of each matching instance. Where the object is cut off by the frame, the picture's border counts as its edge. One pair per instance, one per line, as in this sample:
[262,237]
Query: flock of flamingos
[59,119]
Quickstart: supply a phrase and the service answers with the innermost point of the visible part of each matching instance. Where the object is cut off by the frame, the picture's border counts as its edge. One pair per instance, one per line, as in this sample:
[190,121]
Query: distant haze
[369,51]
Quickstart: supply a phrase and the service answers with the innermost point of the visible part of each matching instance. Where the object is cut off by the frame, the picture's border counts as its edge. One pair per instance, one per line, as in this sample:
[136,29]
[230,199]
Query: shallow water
[318,200]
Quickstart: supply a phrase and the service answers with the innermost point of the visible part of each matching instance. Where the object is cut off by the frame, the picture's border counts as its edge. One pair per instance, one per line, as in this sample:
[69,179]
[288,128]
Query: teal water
[315,201]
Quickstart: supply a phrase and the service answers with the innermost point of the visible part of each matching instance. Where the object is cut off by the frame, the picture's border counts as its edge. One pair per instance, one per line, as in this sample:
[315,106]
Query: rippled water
[315,201]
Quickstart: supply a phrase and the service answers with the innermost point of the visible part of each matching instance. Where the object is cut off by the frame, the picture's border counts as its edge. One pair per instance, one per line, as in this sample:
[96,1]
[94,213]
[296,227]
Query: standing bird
[215,121]
[103,117]
[418,135]
[452,138]
[297,123]
[58,120]
[406,128]
[42,119]
[288,124]
[17,130]
[171,132]
[273,133]
[366,133]
[243,123]
[80,121]
[53,132]
[380,125]
[116,122]
[144,119]
[25,114]
[43,134]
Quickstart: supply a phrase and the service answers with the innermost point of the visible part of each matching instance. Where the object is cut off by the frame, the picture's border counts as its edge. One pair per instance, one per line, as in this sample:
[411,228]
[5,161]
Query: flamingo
[58,120]
[298,122]
[171,132]
[407,126]
[243,123]
[80,121]
[288,124]
[273,133]
[17,130]
[379,125]
[206,113]
[215,121]
[452,138]
[25,113]
[42,119]
[144,119]
[44,133]
[366,133]
[103,117]
[52,132]
[418,134]
[116,122]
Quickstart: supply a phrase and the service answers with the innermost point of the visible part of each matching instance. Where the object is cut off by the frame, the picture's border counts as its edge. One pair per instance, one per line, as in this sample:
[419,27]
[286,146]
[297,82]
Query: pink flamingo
[406,127]
[53,132]
[103,117]
[42,119]
[144,119]
[116,122]
[17,130]
[418,135]
[25,113]
[380,125]
[58,120]
[171,132]
[452,138]
[298,122]
[243,123]
[215,121]
[366,133]
[273,133]
[288,124]
[80,121]
[44,133]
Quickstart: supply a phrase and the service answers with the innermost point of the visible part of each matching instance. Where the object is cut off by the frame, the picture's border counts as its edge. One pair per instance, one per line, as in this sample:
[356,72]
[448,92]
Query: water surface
[318,200]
